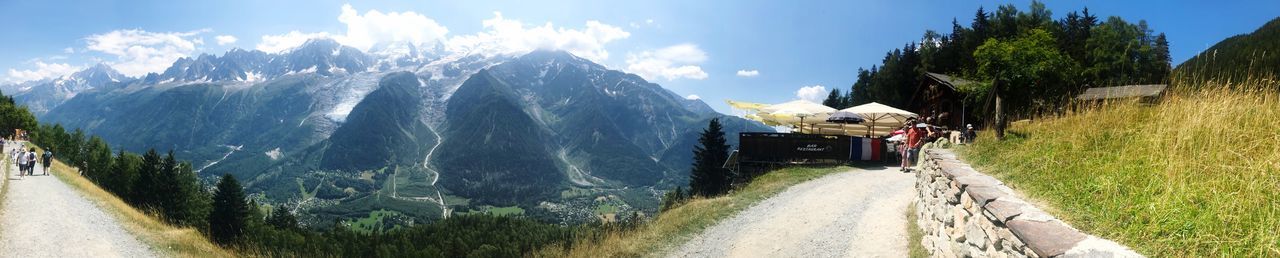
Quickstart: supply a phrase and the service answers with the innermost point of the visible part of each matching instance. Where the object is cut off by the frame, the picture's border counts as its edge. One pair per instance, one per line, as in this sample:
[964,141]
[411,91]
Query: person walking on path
[32,159]
[22,165]
[915,138]
[46,160]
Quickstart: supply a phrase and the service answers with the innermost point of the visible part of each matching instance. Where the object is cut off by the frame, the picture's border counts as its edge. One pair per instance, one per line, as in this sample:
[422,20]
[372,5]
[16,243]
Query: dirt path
[861,213]
[43,217]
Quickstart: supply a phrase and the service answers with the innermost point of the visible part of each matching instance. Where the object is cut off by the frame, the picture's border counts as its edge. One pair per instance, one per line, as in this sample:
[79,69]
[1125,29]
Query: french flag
[865,149]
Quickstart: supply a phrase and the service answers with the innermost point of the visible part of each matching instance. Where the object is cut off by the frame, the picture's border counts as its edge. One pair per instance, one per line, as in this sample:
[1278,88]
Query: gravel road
[860,213]
[43,217]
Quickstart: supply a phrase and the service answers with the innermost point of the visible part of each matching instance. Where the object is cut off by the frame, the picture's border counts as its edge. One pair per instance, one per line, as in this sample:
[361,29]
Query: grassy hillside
[165,238]
[1196,175]
[679,224]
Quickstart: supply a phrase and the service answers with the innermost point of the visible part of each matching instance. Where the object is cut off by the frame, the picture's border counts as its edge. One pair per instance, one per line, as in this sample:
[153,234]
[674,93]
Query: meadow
[1197,174]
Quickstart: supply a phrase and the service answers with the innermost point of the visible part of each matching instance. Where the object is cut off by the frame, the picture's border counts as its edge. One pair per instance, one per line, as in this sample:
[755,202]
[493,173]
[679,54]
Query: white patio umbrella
[880,114]
[790,112]
[743,105]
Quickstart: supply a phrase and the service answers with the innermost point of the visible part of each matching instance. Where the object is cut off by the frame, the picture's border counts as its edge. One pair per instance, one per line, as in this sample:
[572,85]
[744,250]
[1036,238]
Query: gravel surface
[860,213]
[43,217]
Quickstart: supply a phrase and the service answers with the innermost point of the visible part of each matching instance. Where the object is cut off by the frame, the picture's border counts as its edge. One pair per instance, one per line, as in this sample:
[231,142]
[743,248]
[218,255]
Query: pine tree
[99,164]
[145,191]
[230,215]
[708,177]
[834,99]
[282,218]
[1162,61]
[181,203]
[124,171]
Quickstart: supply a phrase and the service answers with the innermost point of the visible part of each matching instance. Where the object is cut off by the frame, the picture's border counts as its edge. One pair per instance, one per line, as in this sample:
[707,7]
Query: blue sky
[690,47]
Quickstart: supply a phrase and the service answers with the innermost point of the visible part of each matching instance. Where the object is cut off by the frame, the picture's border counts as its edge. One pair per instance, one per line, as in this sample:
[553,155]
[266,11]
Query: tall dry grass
[1197,174]
[677,225]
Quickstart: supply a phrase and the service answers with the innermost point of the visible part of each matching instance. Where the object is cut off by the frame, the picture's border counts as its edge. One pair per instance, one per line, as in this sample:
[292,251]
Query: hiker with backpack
[32,159]
[46,160]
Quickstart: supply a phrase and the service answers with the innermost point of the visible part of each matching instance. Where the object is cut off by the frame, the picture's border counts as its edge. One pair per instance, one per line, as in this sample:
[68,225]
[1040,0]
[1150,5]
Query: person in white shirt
[22,165]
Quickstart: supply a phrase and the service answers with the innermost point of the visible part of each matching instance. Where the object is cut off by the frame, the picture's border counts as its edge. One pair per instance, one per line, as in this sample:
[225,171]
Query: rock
[983,194]
[960,216]
[1097,247]
[966,203]
[1004,209]
[1045,238]
[976,180]
[942,215]
[952,195]
[974,235]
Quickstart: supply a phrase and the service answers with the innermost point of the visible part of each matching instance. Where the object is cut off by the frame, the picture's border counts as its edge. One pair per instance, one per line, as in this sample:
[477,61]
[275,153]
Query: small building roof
[947,80]
[1127,91]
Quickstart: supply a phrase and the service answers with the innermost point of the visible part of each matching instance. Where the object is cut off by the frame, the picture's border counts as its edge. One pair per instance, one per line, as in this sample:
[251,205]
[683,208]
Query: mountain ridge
[503,130]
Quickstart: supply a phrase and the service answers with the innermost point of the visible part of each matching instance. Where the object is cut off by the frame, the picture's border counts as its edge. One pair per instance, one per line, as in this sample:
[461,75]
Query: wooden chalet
[1149,93]
[938,96]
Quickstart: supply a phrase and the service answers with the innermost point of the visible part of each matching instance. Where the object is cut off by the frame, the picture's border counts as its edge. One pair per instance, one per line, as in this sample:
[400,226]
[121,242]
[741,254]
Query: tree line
[1080,50]
[1238,59]
[13,116]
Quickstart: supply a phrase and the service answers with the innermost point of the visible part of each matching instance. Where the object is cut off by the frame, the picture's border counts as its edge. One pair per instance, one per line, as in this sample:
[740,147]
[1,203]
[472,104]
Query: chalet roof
[947,80]
[1127,91]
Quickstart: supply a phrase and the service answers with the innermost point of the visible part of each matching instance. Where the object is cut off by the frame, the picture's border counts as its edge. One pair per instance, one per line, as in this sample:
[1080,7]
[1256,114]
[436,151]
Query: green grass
[373,222]
[574,192]
[914,234]
[606,208]
[1196,175]
[4,183]
[679,224]
[456,200]
[497,211]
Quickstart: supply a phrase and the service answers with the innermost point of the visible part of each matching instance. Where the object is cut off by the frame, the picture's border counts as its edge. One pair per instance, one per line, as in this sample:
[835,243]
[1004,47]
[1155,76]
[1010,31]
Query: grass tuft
[915,235]
[1195,175]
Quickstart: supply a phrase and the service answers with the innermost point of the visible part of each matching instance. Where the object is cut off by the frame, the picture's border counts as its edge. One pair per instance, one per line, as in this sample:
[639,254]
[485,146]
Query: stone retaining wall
[964,213]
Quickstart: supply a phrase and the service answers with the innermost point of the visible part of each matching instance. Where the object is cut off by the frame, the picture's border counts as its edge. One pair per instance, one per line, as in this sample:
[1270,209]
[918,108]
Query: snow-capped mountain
[43,95]
[495,129]
[320,56]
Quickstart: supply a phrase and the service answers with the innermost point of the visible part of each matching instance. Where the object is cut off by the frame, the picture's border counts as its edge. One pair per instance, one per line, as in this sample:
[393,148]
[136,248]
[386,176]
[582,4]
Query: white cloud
[42,71]
[500,35]
[670,63]
[225,39]
[815,93]
[693,97]
[365,31]
[507,36]
[374,27]
[282,42]
[139,52]
[748,73]
[68,50]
